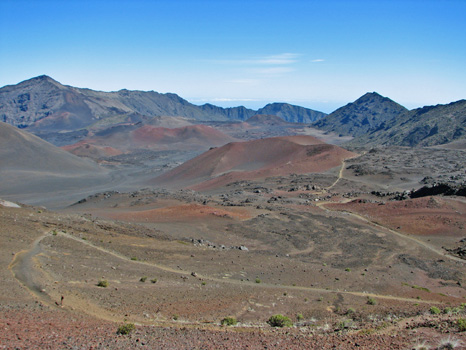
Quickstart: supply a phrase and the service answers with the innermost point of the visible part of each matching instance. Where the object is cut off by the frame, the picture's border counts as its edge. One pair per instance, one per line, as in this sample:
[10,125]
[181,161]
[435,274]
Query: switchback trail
[24,270]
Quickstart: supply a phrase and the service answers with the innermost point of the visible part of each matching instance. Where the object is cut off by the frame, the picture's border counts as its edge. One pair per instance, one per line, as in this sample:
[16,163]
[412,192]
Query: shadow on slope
[32,168]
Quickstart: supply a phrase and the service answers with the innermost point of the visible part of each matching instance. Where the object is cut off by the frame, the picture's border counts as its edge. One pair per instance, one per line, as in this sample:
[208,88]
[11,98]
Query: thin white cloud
[318,60]
[273,71]
[282,59]
[272,60]
[244,81]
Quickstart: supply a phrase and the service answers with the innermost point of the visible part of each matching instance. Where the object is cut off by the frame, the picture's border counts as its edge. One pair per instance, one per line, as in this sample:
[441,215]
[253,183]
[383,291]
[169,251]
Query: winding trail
[340,175]
[24,270]
[360,217]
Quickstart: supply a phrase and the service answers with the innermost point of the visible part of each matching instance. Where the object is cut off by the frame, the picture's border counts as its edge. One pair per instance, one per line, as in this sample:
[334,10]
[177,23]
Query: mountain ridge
[424,127]
[44,104]
[365,114]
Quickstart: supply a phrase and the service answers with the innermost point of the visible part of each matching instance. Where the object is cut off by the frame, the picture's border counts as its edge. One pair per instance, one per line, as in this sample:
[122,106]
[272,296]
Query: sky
[317,54]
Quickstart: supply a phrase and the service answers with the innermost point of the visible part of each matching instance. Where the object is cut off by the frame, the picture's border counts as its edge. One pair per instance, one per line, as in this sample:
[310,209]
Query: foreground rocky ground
[347,255]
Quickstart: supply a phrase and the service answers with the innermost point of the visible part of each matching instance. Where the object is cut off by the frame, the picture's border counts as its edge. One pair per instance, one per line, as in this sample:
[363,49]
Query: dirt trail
[386,229]
[340,175]
[24,270]
[342,169]
[417,241]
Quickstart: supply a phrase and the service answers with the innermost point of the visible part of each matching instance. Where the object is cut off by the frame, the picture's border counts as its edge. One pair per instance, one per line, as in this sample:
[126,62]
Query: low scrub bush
[126,328]
[461,323]
[228,321]
[102,283]
[279,321]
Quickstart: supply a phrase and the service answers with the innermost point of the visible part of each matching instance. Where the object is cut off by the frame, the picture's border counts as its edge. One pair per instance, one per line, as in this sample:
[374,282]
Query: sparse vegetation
[348,269]
[102,283]
[154,280]
[143,279]
[421,288]
[126,328]
[258,280]
[345,324]
[371,301]
[133,258]
[299,317]
[434,310]
[279,321]
[229,321]
[449,343]
[421,346]
[461,324]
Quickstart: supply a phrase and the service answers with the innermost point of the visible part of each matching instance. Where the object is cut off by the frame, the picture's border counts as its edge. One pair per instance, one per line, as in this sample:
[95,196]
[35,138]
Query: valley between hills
[197,224]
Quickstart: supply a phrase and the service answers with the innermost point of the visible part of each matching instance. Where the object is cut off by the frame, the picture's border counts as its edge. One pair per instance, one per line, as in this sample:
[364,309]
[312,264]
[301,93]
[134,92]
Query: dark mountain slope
[358,118]
[290,113]
[264,119]
[427,126]
[44,105]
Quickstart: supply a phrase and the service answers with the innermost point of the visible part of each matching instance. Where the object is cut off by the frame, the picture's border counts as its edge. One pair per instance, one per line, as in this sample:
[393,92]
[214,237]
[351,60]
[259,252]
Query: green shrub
[299,317]
[258,280]
[126,328]
[345,324]
[461,323]
[279,321]
[143,279]
[434,310]
[228,321]
[371,301]
[102,283]
[154,280]
[348,269]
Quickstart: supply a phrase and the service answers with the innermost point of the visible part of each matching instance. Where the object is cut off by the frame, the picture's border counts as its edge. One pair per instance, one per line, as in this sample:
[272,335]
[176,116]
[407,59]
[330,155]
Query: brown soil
[427,216]
[321,248]
[256,160]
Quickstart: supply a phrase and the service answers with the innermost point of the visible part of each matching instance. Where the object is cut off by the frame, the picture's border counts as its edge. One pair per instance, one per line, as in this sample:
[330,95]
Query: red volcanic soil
[191,137]
[275,156]
[85,149]
[201,134]
[187,212]
[425,216]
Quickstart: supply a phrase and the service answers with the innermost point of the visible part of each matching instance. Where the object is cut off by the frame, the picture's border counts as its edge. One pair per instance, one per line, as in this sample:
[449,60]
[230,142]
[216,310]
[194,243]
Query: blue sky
[317,54]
